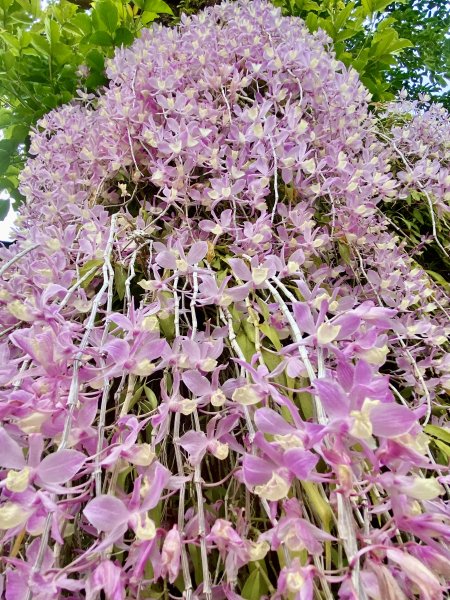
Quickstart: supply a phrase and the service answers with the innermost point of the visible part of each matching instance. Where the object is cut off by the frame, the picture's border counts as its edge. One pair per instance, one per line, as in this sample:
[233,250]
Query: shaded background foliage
[425,66]
[48,53]
[393,45]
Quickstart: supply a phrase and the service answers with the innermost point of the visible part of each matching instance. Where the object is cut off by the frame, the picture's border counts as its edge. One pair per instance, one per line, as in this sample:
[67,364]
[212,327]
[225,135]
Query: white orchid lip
[275,489]
[259,275]
[327,333]
[246,395]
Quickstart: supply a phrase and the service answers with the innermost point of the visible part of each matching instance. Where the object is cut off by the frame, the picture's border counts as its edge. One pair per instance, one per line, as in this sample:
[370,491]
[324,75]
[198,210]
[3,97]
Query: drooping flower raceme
[220,369]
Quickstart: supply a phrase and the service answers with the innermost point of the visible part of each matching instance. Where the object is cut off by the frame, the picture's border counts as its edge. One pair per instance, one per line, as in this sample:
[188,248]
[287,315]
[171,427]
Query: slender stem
[275,182]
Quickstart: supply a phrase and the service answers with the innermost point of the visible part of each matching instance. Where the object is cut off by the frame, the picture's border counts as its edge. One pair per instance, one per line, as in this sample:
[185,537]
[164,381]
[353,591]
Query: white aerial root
[75,286]
[347,534]
[275,182]
[197,472]
[345,521]
[72,399]
[227,319]
[131,274]
[181,506]
[180,466]
[320,413]
[132,152]
[227,103]
[17,257]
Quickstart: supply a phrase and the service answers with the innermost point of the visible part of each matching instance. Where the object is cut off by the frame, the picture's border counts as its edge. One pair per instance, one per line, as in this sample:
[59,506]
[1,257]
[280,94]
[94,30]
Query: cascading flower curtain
[218,358]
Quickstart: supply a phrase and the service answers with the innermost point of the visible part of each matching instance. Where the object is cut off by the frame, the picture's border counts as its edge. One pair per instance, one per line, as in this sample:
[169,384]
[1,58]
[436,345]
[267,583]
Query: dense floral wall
[218,360]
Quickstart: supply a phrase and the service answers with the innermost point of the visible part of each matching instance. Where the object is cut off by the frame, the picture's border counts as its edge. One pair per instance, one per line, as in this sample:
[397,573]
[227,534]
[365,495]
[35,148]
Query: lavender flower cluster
[219,366]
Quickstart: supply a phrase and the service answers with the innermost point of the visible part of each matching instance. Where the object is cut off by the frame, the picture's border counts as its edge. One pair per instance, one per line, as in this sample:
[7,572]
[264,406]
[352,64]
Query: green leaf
[5,4]
[380,5]
[10,40]
[101,38]
[52,31]
[438,277]
[41,44]
[271,333]
[9,60]
[108,14]
[5,117]
[360,63]
[167,327]
[443,448]
[151,397]
[16,196]
[312,21]
[4,161]
[382,41]
[95,60]
[95,80]
[196,559]
[4,208]
[368,7]
[249,329]
[245,345]
[343,16]
[8,145]
[157,6]
[438,432]
[19,133]
[346,34]
[251,587]
[61,52]
[400,45]
[120,276]
[83,22]
[344,251]
[25,39]
[136,396]
[307,5]
[93,264]
[272,361]
[123,37]
[148,17]
[264,308]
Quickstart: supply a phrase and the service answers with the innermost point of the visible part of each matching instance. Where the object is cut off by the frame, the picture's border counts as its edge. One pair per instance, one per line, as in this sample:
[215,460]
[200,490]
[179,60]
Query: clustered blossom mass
[217,360]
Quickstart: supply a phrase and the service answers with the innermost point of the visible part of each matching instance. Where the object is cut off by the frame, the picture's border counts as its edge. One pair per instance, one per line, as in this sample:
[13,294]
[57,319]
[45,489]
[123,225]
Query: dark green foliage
[424,67]
[363,33]
[393,45]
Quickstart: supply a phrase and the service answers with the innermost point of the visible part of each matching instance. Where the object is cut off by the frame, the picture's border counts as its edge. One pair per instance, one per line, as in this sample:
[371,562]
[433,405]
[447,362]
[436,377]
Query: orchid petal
[106,513]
